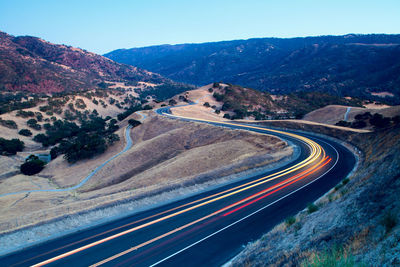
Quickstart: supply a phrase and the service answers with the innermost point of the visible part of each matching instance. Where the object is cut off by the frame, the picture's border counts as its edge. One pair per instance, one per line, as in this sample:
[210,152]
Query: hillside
[355,224]
[32,64]
[332,114]
[365,66]
[168,159]
[237,102]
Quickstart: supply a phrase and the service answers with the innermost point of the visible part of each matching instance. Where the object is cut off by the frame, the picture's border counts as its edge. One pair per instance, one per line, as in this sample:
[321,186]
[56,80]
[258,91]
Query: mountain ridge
[348,65]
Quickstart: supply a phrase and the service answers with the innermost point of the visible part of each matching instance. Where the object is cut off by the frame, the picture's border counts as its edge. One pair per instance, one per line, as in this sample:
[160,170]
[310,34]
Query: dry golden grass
[167,154]
[333,113]
[199,111]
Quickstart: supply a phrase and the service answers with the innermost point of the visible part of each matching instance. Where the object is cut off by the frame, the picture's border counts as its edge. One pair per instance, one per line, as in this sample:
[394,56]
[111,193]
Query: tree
[25,132]
[206,104]
[172,102]
[227,116]
[378,121]
[32,165]
[10,147]
[343,123]
[41,138]
[358,124]
[134,123]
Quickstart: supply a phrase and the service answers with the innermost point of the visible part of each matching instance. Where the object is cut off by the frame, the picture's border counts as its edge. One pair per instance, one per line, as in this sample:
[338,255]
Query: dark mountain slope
[353,65]
[32,64]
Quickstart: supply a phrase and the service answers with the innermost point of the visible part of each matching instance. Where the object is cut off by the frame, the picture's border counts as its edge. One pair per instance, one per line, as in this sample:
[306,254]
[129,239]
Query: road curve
[87,178]
[208,228]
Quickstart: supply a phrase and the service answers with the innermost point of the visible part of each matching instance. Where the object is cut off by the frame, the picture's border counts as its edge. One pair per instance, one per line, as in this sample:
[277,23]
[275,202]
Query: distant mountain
[366,66]
[32,64]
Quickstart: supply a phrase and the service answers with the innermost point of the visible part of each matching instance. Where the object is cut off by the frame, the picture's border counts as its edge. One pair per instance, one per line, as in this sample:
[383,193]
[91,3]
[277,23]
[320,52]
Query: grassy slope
[166,155]
[357,223]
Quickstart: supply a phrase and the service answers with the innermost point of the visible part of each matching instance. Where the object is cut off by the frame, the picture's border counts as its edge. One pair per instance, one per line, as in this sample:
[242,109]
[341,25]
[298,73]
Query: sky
[101,26]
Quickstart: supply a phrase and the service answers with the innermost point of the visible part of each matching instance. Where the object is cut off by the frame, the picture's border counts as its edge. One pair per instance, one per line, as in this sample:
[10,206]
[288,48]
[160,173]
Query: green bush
[312,208]
[25,132]
[289,221]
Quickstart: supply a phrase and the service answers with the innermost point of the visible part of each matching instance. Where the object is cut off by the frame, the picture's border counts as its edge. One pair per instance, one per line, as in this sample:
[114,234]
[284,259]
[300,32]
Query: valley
[213,153]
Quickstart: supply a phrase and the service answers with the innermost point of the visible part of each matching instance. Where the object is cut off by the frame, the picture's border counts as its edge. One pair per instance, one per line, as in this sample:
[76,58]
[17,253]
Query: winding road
[207,229]
[128,145]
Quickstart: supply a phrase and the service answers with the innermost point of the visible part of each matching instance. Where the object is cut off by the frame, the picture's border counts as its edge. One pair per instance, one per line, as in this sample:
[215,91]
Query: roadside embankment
[356,223]
[169,159]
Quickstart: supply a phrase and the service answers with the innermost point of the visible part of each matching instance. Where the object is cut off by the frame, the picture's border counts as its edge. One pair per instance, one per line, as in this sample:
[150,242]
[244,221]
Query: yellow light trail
[316,151]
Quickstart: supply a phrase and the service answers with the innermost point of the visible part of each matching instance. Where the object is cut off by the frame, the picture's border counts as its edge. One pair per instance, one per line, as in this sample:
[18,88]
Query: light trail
[276,187]
[316,152]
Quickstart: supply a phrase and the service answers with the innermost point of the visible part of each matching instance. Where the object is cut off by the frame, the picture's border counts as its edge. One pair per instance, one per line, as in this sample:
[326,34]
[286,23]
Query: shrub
[147,107]
[378,121]
[172,102]
[25,132]
[227,116]
[134,123]
[79,103]
[25,114]
[336,257]
[358,124]
[218,97]
[206,104]
[41,138]
[10,147]
[39,116]
[32,165]
[345,181]
[289,221]
[210,90]
[83,146]
[343,124]
[338,186]
[389,221]
[312,208]
[8,123]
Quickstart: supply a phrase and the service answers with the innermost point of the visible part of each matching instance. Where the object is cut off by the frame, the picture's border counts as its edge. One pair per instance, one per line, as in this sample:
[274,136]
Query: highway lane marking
[315,147]
[241,219]
[275,189]
[148,224]
[251,214]
[274,176]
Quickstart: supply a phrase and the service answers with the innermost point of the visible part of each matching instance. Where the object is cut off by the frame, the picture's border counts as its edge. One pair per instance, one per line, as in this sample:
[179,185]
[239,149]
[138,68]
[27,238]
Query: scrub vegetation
[357,222]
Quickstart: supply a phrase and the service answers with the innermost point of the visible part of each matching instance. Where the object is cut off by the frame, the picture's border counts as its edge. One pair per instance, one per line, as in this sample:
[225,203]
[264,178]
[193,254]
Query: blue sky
[104,25]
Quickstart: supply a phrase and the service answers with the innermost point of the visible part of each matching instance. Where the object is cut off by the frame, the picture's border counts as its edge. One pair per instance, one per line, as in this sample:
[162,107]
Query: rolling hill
[32,64]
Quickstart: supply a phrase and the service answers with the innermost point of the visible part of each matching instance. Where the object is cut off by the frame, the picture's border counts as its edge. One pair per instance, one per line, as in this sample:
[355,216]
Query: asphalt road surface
[207,229]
